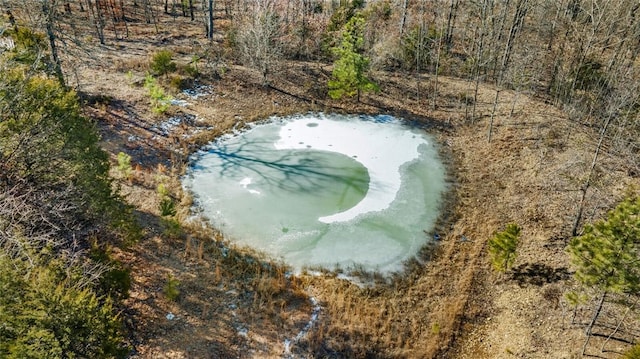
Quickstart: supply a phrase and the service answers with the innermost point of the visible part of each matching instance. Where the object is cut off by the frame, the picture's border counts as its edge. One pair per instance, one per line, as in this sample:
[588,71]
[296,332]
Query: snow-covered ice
[381,152]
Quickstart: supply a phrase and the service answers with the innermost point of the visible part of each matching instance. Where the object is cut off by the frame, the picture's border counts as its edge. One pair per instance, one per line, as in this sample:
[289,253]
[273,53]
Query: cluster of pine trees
[59,213]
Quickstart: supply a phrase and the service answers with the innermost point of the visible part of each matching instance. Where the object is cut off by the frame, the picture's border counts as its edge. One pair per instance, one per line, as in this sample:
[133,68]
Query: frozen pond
[323,190]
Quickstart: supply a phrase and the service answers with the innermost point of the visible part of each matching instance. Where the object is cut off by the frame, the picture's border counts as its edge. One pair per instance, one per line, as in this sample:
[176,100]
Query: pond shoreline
[332,136]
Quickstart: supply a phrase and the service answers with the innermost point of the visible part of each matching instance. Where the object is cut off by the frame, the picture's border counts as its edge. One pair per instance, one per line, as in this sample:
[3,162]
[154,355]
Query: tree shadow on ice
[291,170]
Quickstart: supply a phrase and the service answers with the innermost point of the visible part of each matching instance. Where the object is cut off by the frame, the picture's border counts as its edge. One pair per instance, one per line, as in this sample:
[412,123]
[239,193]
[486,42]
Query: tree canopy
[45,314]
[50,148]
[606,255]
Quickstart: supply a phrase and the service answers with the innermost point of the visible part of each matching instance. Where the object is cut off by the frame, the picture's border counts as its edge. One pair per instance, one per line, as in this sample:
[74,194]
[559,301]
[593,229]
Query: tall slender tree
[515,28]
[349,76]
[48,11]
[210,12]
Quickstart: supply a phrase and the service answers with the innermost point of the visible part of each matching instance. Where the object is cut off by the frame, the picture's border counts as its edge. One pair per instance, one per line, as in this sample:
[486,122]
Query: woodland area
[535,103]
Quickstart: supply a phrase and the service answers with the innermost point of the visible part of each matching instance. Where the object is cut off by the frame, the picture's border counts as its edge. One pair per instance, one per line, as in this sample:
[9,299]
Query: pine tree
[606,255]
[49,153]
[349,70]
[44,314]
[502,247]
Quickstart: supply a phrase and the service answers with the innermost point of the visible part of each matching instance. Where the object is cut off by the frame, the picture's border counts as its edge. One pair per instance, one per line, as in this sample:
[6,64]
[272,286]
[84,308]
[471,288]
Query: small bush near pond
[162,63]
[170,289]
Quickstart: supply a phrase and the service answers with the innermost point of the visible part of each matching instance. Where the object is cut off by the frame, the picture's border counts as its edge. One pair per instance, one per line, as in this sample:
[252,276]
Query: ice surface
[381,151]
[323,190]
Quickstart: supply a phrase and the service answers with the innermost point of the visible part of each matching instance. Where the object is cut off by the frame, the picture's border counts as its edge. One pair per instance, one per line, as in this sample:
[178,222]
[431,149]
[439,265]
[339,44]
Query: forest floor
[235,304]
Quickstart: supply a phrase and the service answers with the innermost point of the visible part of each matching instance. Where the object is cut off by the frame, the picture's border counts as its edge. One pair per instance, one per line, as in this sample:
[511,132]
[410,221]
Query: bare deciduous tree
[259,38]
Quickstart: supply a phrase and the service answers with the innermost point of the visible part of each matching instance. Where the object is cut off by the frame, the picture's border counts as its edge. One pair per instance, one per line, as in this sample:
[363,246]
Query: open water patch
[321,190]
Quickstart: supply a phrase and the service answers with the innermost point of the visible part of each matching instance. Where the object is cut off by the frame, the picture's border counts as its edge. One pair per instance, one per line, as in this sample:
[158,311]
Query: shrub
[435,328]
[160,102]
[46,315]
[502,247]
[172,228]
[179,83]
[162,189]
[633,353]
[116,281]
[162,64]
[589,75]
[167,204]
[167,207]
[170,289]
[192,68]
[606,255]
[124,165]
[41,124]
[28,48]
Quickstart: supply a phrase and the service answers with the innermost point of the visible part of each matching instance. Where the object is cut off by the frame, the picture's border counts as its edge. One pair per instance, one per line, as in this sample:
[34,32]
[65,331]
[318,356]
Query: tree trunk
[585,187]
[403,18]
[435,76]
[210,20]
[585,50]
[124,19]
[475,93]
[593,321]
[114,18]
[478,59]
[497,40]
[174,7]
[48,12]
[147,13]
[515,99]
[516,25]
[98,21]
[518,22]
[451,20]
[151,14]
[493,112]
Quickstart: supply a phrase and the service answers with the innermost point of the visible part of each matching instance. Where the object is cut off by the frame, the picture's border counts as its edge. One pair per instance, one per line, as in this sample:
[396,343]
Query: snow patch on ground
[315,314]
[165,128]
[180,103]
[198,90]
